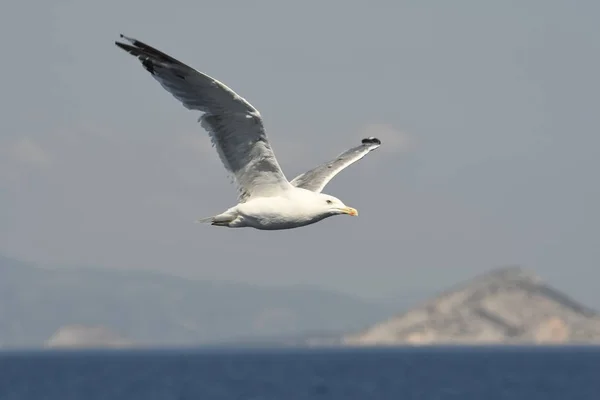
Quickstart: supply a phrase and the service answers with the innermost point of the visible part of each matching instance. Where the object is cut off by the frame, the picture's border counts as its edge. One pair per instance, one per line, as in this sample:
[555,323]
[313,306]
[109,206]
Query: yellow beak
[350,211]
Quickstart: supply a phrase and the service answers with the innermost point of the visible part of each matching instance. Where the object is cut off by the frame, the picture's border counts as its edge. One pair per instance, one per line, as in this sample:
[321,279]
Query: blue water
[398,374]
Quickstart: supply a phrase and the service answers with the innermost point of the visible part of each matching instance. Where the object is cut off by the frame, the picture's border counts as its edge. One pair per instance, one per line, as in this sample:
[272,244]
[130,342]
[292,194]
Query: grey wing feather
[235,126]
[316,179]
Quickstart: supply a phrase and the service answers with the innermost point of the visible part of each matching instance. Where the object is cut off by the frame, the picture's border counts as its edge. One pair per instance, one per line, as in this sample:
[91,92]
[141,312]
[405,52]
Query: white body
[295,208]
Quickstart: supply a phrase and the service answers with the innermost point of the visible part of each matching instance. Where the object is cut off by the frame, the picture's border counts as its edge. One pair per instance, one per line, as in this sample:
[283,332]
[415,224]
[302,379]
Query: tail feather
[218,220]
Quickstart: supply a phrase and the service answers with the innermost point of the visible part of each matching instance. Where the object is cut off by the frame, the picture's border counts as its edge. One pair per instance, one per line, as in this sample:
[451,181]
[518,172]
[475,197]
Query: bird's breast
[277,213]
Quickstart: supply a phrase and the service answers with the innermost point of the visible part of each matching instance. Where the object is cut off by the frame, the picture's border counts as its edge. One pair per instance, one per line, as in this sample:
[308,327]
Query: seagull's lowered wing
[235,126]
[316,179]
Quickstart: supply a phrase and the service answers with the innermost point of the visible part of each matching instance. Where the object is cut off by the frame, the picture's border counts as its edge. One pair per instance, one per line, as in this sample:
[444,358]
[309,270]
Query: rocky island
[82,336]
[507,306]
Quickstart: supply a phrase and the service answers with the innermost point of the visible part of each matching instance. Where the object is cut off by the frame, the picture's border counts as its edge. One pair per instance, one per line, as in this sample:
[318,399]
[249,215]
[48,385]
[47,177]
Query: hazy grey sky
[488,113]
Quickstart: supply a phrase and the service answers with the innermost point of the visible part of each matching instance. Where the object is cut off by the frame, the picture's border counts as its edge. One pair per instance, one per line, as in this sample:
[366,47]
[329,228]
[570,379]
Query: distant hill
[154,309]
[79,337]
[507,306]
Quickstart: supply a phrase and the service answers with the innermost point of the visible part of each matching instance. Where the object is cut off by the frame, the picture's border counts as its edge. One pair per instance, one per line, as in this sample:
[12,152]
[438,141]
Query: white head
[333,206]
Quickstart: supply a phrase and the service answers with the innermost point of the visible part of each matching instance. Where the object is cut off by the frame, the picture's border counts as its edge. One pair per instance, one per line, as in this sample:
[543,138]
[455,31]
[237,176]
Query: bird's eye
[329,202]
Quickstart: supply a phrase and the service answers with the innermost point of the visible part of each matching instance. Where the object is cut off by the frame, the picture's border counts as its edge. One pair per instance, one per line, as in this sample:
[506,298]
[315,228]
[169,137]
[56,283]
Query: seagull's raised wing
[316,179]
[235,126]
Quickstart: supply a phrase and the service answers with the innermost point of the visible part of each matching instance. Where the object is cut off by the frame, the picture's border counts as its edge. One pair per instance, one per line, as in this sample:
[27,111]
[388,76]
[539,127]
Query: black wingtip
[145,51]
[135,49]
[125,38]
[371,140]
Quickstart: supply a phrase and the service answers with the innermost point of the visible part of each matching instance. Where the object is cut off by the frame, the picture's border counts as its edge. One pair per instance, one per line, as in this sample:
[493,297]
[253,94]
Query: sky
[488,114]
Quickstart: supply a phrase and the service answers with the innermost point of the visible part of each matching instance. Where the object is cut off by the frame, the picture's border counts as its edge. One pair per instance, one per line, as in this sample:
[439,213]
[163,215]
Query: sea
[464,373]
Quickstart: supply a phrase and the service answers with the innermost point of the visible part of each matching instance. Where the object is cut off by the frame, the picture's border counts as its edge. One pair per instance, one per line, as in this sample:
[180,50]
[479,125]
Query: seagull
[266,199]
